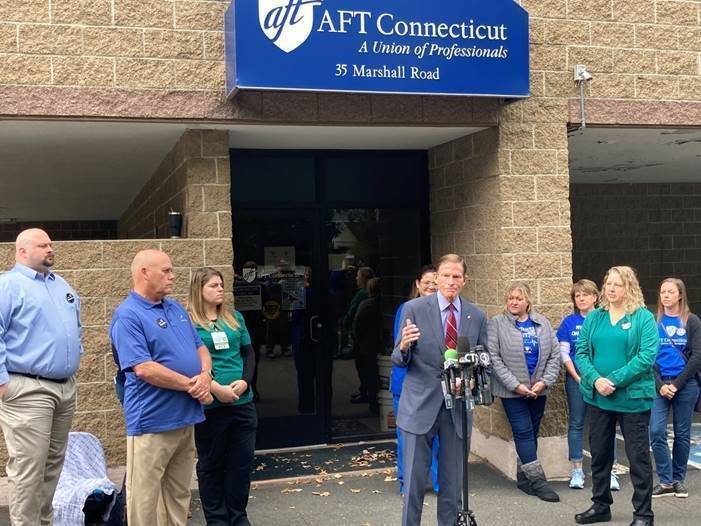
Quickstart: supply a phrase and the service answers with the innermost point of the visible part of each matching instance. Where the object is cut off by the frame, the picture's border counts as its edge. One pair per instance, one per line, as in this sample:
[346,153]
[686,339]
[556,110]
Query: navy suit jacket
[422,396]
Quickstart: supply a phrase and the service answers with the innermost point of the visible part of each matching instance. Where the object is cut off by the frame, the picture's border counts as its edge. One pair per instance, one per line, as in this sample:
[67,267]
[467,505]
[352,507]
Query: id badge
[220,340]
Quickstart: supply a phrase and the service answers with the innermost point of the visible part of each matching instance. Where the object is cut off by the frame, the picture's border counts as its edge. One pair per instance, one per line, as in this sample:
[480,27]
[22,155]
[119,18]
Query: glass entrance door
[277,291]
[372,254]
[326,245]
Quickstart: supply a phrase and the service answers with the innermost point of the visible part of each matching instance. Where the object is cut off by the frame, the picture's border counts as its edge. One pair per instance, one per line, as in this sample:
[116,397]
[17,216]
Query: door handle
[314,326]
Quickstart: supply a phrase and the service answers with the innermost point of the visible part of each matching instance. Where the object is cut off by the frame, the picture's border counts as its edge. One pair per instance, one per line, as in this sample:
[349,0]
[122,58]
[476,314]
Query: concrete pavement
[374,501]
[370,498]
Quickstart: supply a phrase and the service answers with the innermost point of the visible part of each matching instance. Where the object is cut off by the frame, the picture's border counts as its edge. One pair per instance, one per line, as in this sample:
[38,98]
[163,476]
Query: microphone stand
[465,515]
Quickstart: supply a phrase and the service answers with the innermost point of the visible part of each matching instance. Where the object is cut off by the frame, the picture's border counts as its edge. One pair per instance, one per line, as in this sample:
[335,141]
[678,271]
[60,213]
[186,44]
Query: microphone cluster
[466,375]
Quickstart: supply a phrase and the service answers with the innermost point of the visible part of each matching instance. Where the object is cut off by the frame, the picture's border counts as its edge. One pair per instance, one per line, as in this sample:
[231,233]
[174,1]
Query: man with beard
[39,353]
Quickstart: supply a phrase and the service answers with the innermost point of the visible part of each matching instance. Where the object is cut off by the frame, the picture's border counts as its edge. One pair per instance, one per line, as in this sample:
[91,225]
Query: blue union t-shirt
[144,331]
[569,332]
[673,339]
[531,349]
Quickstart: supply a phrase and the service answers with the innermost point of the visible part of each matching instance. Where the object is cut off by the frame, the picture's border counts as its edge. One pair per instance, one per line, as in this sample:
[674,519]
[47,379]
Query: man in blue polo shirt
[39,353]
[168,376]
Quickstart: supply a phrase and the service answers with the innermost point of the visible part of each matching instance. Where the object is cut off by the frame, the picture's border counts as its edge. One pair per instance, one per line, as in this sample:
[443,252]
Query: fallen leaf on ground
[353,490]
[291,490]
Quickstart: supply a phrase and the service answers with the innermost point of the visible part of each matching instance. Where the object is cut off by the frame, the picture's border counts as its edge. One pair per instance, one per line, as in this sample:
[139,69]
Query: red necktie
[451,329]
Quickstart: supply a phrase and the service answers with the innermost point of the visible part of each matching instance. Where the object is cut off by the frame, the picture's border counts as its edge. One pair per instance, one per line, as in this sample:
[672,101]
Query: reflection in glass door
[372,253]
[274,290]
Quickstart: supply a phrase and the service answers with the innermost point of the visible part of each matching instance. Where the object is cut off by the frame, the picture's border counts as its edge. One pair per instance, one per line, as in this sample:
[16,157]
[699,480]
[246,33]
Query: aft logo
[287,23]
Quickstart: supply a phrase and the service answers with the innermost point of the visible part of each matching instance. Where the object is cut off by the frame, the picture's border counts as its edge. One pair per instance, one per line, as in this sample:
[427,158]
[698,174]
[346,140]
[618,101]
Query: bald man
[168,375]
[39,353]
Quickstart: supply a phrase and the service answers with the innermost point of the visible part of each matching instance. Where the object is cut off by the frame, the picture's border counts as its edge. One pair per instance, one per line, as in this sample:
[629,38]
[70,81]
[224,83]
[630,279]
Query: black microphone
[463,345]
[448,377]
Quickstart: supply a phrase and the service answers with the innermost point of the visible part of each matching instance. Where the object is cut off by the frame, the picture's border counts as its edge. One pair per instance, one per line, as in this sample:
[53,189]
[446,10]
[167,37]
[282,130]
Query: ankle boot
[536,476]
[522,481]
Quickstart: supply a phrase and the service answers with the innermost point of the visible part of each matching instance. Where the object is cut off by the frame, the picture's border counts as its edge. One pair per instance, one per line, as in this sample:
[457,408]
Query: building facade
[113,113]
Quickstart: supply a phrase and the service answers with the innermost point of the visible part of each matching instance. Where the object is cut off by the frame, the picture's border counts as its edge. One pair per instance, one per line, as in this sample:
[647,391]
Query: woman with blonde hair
[616,350]
[676,380]
[525,364]
[226,440]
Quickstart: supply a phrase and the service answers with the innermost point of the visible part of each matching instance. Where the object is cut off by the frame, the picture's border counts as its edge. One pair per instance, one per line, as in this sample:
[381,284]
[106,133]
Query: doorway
[310,229]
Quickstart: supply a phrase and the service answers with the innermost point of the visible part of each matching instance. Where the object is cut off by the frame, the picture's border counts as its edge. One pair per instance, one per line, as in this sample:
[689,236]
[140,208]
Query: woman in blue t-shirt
[525,364]
[676,378]
[423,285]
[226,440]
[585,297]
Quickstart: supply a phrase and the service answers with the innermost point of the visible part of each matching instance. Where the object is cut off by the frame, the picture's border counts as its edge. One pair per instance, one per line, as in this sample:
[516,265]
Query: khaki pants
[159,472]
[35,416]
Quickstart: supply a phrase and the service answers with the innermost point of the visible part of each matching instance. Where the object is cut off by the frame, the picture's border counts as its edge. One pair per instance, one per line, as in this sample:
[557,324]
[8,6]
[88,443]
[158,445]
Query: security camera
[581,74]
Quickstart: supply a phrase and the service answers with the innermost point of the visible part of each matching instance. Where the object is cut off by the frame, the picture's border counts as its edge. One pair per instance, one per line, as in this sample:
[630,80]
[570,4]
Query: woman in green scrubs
[226,439]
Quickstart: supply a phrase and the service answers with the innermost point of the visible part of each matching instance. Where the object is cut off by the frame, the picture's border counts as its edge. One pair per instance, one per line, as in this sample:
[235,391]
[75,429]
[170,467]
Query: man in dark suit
[430,325]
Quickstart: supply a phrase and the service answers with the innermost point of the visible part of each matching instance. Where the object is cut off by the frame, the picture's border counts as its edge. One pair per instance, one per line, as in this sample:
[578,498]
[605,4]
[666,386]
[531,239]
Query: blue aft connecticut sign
[447,47]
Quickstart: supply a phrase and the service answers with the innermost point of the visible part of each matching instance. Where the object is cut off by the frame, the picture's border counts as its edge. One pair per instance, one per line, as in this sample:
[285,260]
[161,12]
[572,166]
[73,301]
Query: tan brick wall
[159,44]
[164,59]
[644,57]
[501,199]
[193,179]
[164,44]
[99,271]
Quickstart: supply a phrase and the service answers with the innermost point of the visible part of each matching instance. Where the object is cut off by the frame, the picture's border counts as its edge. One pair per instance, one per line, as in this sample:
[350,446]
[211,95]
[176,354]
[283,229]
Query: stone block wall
[113,43]
[501,199]
[655,228]
[165,59]
[194,179]
[643,55]
[62,230]
[99,271]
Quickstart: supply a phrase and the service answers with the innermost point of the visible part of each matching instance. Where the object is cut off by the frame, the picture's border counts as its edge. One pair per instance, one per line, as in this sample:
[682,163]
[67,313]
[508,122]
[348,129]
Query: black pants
[226,443]
[636,433]
[368,371]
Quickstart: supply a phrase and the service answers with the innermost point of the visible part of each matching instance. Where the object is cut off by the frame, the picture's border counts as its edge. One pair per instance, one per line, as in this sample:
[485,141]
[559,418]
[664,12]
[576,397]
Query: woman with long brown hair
[226,439]
[676,371]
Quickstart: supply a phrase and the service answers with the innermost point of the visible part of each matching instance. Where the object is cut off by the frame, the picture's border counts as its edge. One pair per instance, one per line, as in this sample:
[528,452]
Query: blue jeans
[400,453]
[673,468]
[578,411]
[524,415]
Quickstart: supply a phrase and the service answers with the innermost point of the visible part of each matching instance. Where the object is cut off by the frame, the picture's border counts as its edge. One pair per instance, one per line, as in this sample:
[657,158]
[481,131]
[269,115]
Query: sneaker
[615,485]
[577,479]
[662,491]
[680,490]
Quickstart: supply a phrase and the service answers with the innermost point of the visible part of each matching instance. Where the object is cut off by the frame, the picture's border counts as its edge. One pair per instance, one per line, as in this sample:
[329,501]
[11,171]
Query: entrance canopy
[61,170]
[635,155]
